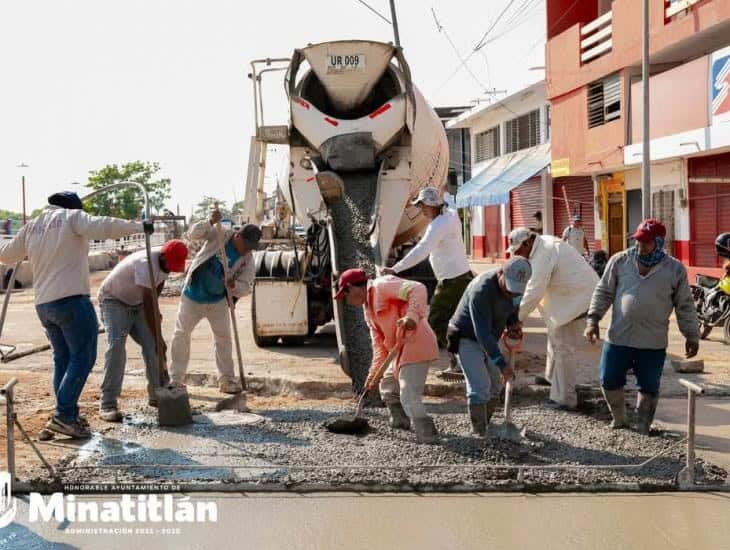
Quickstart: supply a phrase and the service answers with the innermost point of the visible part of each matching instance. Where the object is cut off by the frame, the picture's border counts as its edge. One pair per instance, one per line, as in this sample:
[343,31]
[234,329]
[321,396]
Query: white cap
[517,271]
[518,236]
[430,196]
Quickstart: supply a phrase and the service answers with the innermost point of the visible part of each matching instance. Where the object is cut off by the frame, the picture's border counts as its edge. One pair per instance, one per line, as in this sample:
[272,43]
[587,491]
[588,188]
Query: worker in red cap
[127,309]
[643,284]
[396,312]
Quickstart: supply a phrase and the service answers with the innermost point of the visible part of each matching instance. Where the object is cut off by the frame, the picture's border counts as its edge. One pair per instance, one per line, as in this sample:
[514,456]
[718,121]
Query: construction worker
[204,296]
[488,306]
[562,283]
[575,235]
[643,284]
[395,311]
[57,244]
[443,245]
[127,309]
[538,222]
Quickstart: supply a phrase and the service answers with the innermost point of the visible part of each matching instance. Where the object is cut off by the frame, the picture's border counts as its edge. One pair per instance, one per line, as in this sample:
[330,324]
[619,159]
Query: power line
[443,30]
[376,12]
[480,44]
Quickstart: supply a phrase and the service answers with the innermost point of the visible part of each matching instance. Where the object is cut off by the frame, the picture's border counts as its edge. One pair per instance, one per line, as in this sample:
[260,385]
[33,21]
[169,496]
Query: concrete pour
[290,449]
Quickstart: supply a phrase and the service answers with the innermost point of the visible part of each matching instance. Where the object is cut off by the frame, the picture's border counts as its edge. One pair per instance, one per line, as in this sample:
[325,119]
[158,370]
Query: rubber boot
[398,417]
[479,416]
[617,405]
[426,431]
[645,409]
[491,407]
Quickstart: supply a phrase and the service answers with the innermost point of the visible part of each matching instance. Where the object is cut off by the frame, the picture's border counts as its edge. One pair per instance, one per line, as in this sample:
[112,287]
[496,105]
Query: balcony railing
[675,7]
[596,38]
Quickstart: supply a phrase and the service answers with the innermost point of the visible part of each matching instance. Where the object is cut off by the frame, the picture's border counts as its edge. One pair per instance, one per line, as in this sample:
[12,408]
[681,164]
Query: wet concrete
[464,522]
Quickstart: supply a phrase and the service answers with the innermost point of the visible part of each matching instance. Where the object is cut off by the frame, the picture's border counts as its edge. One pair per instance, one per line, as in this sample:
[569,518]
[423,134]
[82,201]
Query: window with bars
[522,132]
[604,101]
[487,145]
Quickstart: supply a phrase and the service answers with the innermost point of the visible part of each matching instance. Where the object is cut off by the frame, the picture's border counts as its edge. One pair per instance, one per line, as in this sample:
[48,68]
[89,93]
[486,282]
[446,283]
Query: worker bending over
[562,283]
[396,311]
[643,284]
[57,245]
[443,245]
[489,305]
[127,309]
[204,296]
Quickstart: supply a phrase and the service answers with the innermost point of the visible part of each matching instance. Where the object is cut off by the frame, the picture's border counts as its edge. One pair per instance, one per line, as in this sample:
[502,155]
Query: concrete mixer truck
[362,142]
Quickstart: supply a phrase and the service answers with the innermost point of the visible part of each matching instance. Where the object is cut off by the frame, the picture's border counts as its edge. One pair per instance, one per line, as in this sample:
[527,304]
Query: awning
[494,182]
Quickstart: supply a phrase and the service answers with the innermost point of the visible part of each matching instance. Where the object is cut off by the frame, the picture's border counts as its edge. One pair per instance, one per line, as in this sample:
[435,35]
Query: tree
[203,208]
[127,202]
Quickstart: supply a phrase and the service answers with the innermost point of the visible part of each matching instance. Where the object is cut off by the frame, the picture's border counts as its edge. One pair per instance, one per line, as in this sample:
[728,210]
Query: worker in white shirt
[575,235]
[57,245]
[443,245]
[562,284]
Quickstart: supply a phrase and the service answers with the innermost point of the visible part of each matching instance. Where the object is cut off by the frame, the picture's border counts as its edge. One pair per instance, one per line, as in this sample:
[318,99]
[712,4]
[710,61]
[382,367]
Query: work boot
[398,417]
[645,409]
[426,431]
[229,385]
[615,399]
[479,416]
[111,415]
[454,372]
[541,381]
[491,407]
[73,429]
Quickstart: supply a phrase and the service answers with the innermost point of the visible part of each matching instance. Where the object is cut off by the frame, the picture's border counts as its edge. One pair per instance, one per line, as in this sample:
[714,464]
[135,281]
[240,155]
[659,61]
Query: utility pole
[395,23]
[646,159]
[23,165]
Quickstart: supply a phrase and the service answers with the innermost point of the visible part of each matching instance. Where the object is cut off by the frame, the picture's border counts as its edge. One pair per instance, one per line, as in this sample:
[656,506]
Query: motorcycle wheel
[726,332]
[705,331]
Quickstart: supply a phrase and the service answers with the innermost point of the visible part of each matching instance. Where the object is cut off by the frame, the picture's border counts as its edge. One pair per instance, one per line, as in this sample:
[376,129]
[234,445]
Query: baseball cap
[430,196]
[350,277]
[577,218]
[175,253]
[648,230]
[251,235]
[66,199]
[517,237]
[517,271]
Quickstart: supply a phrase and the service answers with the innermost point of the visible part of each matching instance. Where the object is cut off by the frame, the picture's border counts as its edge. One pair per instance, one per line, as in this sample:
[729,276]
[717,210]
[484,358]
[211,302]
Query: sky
[85,83]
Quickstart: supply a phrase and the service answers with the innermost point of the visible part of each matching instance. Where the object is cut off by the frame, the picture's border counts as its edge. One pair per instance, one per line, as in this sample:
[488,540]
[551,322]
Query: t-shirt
[207,284]
[130,277]
[575,237]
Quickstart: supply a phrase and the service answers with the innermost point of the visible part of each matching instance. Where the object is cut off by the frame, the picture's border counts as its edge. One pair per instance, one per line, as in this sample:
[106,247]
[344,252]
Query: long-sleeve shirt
[483,313]
[642,304]
[57,245]
[443,245]
[562,282]
[389,299]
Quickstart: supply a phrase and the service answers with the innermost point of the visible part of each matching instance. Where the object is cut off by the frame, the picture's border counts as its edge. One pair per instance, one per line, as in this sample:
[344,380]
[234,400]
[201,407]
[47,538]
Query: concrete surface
[352,521]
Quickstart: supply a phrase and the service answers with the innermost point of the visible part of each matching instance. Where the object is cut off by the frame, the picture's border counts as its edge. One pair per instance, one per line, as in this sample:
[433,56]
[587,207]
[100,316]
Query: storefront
[709,206]
[525,200]
[573,195]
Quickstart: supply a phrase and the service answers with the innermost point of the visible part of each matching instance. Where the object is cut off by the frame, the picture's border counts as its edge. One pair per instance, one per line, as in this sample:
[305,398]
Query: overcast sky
[90,82]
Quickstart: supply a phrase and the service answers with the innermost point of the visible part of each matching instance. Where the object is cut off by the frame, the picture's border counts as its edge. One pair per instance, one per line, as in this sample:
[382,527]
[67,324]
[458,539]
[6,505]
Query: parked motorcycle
[712,300]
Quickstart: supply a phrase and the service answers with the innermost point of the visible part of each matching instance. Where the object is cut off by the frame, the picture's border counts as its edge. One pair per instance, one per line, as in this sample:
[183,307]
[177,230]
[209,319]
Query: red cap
[175,253]
[349,277]
[648,230]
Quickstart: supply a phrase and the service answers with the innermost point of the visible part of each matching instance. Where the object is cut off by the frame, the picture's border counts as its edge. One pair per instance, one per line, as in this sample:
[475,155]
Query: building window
[487,145]
[604,101]
[522,132]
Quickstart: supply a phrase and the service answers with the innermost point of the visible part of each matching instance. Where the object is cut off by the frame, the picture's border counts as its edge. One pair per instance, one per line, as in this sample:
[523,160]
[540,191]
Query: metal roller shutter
[525,200]
[580,201]
[709,207]
[494,244]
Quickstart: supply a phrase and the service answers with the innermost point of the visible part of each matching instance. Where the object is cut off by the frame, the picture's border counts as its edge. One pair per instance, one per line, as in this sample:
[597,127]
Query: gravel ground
[292,448]
[352,218]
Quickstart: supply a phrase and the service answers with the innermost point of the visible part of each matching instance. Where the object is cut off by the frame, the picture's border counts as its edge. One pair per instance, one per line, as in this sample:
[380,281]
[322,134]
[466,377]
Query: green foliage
[127,202]
[203,208]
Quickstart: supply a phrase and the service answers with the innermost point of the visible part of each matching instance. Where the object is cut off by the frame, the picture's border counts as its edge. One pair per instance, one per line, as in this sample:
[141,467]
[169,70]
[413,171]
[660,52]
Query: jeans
[122,320]
[443,304]
[647,365]
[483,378]
[408,389]
[72,329]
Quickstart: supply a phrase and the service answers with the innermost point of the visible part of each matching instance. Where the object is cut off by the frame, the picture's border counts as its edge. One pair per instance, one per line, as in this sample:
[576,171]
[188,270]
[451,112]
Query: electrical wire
[443,30]
[480,44]
[376,12]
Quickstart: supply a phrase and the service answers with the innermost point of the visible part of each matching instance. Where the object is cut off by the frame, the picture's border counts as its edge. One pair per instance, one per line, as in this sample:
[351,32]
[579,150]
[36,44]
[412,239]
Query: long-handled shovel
[236,402]
[357,423]
[507,430]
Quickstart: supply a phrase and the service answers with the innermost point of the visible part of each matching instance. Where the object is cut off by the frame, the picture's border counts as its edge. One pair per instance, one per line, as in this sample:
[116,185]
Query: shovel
[357,424]
[235,402]
[507,430]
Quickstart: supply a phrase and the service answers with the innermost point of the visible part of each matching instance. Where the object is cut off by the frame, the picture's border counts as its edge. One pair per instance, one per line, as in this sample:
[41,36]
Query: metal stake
[7,392]
[687,475]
